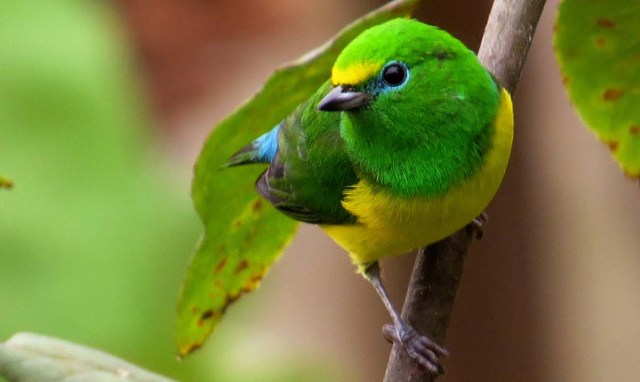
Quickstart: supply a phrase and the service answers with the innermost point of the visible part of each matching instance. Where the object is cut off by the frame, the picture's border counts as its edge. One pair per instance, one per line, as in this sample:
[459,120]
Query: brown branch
[438,267]
[507,39]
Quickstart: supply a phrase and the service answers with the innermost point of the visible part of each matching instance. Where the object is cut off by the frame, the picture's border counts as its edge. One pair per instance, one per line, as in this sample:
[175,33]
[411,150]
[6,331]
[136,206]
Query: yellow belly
[390,226]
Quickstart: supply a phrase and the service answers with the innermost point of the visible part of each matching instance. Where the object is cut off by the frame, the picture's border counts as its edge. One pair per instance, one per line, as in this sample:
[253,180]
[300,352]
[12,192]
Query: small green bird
[407,143]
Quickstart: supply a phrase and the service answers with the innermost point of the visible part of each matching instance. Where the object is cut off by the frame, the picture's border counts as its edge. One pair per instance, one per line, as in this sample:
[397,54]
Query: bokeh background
[103,108]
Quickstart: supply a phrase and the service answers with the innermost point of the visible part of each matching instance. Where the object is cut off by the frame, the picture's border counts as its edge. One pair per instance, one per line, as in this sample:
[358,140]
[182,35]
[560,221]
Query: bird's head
[405,89]
[402,68]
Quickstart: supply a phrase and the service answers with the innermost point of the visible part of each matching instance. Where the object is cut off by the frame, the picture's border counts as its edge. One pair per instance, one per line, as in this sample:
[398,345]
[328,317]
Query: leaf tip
[184,351]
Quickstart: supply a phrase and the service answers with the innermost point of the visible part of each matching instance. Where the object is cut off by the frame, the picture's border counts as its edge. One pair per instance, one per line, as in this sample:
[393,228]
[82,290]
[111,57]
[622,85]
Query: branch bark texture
[438,268]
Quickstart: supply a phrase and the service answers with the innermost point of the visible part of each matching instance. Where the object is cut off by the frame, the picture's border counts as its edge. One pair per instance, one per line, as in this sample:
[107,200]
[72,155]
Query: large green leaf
[598,47]
[244,235]
[30,357]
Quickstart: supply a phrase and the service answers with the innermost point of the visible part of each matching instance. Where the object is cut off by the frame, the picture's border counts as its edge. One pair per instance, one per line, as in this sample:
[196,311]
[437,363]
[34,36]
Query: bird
[405,143]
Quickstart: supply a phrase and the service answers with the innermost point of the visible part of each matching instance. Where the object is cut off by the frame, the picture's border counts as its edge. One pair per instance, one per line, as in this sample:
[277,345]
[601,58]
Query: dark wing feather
[310,170]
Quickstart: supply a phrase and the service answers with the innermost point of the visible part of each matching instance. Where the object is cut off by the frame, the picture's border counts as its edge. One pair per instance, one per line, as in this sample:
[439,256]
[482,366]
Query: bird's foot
[477,225]
[425,351]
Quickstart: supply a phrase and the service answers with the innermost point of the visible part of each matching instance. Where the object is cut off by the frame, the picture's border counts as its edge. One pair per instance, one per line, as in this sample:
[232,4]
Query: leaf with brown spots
[598,47]
[244,235]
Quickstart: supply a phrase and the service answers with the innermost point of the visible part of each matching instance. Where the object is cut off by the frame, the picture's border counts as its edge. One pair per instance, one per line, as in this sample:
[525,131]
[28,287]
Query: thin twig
[507,38]
[438,268]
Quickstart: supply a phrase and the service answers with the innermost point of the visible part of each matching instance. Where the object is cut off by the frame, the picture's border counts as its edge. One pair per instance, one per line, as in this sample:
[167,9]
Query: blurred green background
[96,234]
[103,108]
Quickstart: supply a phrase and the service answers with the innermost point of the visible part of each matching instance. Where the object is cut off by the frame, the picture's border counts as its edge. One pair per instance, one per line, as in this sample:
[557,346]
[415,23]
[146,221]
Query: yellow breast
[392,226]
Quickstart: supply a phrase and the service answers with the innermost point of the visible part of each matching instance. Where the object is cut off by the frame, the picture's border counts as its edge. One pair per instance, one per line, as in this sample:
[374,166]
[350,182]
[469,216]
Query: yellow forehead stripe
[354,74]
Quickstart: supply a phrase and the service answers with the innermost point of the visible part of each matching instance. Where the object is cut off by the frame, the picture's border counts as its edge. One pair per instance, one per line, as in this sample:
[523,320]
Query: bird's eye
[394,74]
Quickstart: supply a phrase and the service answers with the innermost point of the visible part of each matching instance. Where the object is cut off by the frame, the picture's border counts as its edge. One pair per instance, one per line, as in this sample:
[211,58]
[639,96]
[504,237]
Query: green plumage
[307,177]
[419,139]
[407,143]
[432,134]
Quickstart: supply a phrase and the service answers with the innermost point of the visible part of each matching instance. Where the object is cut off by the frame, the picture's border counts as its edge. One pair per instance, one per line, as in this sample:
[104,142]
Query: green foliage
[598,47]
[93,235]
[244,235]
[30,357]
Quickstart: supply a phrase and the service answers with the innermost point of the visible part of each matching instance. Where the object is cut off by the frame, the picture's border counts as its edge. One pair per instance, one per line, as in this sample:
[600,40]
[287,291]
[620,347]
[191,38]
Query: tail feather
[247,154]
[261,150]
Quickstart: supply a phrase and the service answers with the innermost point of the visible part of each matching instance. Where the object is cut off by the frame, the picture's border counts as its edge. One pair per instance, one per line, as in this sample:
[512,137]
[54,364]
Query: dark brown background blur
[550,294]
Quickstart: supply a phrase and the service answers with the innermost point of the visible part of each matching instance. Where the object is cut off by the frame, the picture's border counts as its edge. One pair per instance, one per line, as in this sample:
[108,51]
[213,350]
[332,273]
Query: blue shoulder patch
[267,145]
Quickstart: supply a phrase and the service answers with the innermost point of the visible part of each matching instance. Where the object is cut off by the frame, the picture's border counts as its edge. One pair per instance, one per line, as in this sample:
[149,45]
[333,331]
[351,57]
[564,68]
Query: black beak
[342,99]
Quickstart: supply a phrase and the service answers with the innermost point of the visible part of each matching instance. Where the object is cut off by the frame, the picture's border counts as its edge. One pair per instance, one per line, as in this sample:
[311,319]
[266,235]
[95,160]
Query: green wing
[310,169]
